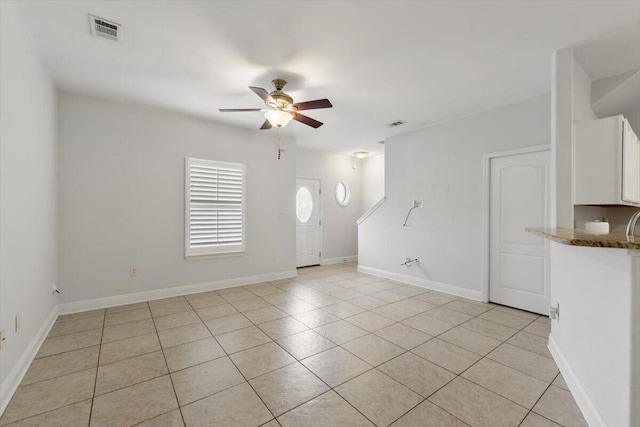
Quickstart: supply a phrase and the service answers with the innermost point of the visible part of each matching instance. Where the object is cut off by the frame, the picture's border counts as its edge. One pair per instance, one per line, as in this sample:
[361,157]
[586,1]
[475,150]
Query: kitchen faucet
[631,227]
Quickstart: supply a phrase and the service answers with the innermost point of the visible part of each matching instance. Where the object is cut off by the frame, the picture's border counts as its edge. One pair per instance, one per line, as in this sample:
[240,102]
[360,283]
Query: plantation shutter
[214,207]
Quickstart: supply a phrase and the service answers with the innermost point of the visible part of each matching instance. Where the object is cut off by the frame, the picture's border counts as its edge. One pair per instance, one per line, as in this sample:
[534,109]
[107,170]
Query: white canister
[597,227]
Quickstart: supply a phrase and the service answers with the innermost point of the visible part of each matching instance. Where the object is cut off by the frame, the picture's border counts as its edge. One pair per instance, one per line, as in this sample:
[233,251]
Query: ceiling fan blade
[262,93]
[313,105]
[307,120]
[238,110]
[266,125]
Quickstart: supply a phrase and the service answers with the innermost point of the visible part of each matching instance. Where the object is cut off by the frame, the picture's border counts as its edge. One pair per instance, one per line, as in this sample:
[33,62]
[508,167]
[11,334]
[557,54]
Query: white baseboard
[338,260]
[423,283]
[13,380]
[94,304]
[586,405]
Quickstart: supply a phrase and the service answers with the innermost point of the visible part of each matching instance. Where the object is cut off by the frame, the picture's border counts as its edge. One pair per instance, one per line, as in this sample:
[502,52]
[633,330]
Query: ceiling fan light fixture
[282,109]
[278,118]
[361,154]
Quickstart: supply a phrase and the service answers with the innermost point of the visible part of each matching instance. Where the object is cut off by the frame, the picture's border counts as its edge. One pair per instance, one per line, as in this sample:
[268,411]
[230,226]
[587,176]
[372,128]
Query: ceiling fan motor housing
[282,99]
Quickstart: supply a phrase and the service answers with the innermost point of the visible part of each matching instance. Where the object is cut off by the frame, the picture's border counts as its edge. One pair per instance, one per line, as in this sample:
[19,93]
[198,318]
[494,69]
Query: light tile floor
[331,348]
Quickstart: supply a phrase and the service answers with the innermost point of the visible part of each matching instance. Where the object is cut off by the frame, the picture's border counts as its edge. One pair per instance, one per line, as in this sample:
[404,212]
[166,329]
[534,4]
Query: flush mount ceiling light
[361,154]
[278,118]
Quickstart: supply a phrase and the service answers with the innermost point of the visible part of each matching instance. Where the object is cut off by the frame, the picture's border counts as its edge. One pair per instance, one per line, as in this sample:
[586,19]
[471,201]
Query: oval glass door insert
[304,205]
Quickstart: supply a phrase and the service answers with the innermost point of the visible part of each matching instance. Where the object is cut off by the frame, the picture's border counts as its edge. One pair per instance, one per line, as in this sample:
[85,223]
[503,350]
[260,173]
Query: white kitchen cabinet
[606,163]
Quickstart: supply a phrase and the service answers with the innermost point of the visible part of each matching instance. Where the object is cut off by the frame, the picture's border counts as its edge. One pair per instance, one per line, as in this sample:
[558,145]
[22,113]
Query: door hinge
[319,190]
[320,254]
[320,222]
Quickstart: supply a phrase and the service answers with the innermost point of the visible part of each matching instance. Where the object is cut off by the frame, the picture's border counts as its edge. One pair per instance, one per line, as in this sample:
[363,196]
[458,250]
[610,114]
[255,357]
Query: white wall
[339,230]
[594,337]
[372,180]
[121,198]
[27,193]
[444,165]
[562,138]
[582,111]
[633,117]
[571,103]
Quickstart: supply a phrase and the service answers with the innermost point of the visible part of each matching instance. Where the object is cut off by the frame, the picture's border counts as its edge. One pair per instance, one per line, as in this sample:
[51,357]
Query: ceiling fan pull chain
[279,145]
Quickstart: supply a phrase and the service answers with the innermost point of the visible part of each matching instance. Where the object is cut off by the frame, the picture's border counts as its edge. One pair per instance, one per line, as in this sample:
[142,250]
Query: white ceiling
[377,61]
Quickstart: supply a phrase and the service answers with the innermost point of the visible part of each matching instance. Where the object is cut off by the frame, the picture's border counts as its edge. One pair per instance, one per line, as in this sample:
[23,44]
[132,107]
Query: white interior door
[519,261]
[307,222]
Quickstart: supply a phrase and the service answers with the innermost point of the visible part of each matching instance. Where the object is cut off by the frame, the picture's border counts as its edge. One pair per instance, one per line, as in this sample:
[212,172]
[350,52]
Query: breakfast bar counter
[579,237]
[595,337]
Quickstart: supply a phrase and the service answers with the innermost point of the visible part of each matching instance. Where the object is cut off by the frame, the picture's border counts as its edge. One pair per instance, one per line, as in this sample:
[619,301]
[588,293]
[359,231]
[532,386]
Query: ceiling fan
[281,109]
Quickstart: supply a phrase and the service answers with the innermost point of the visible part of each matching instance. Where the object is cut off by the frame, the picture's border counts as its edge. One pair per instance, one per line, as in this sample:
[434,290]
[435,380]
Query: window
[214,205]
[343,193]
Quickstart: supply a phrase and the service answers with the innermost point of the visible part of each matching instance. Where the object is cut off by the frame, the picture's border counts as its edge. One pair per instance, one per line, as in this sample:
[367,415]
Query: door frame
[319,210]
[486,206]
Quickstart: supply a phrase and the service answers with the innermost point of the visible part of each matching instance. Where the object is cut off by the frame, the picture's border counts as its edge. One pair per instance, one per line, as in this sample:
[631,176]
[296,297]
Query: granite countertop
[579,237]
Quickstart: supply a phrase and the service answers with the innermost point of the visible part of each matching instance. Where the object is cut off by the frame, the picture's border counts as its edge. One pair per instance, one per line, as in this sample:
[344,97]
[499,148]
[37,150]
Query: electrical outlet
[133,271]
[17,322]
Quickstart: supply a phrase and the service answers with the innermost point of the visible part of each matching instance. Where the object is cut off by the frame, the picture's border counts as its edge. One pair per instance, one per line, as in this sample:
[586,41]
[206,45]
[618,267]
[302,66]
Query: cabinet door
[630,165]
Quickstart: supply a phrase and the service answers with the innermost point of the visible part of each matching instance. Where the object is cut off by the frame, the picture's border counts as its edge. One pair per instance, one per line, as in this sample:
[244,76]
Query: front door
[307,222]
[519,261]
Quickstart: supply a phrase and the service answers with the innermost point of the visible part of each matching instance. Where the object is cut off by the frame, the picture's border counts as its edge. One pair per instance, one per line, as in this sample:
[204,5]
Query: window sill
[214,256]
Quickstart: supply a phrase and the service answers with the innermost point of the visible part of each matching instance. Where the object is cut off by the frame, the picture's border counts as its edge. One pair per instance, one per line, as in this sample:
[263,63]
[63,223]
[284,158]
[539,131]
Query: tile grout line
[350,379]
[168,373]
[485,357]
[537,400]
[95,383]
[393,379]
[320,379]
[164,357]
[299,361]
[456,375]
[266,373]
[63,375]
[155,416]
[12,423]
[236,366]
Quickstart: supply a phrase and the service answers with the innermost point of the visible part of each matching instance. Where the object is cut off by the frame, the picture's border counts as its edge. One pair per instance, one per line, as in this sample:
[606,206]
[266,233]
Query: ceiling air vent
[106,29]
[397,123]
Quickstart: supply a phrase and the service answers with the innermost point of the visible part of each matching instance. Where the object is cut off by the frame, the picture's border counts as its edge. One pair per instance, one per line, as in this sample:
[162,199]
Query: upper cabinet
[606,163]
